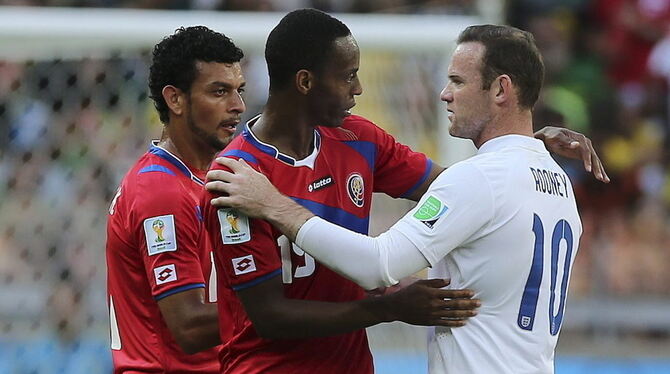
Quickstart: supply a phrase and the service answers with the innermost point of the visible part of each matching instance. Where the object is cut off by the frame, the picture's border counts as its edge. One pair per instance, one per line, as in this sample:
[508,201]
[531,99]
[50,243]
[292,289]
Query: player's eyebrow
[218,84]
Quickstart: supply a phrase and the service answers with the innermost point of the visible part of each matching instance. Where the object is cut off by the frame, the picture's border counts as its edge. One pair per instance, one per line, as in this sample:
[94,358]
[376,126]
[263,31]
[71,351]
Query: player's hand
[243,188]
[404,283]
[425,303]
[572,144]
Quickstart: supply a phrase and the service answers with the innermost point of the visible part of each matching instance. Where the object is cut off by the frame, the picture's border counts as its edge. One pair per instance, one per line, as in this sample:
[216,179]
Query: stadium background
[74,115]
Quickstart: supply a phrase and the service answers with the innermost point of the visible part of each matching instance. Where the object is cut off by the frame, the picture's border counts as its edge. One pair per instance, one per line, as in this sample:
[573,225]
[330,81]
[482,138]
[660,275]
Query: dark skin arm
[561,141]
[422,303]
[193,323]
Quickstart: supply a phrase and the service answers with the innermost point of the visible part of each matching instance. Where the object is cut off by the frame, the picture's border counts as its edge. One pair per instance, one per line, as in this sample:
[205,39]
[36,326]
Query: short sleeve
[246,248]
[398,169]
[167,230]
[457,205]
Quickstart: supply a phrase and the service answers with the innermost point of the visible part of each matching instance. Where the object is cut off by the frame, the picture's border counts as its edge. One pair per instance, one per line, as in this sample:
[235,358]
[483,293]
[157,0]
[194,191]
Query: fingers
[455,294]
[221,202]
[217,186]
[455,314]
[219,175]
[586,151]
[228,162]
[434,283]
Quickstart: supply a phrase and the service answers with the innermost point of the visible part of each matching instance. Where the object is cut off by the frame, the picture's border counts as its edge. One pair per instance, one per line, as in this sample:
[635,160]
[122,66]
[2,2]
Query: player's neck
[286,129]
[507,123]
[186,149]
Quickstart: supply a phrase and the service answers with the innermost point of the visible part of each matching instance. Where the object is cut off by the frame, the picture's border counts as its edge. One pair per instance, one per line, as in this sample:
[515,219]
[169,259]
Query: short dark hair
[509,51]
[174,58]
[301,40]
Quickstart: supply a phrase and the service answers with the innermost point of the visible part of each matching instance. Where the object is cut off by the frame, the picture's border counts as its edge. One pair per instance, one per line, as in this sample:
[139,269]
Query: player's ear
[174,98]
[502,89]
[304,79]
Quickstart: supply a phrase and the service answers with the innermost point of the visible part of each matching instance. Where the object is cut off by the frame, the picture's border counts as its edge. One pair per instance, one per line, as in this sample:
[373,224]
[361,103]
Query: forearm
[201,331]
[370,262]
[286,215]
[293,319]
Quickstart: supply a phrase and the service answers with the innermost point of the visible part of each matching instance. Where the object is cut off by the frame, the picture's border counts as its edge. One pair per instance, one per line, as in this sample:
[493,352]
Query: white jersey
[503,223]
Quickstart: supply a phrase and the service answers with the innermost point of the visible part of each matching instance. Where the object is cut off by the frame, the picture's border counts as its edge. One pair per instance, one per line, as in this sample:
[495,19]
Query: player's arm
[571,144]
[371,262]
[423,303]
[194,324]
[172,262]
[561,141]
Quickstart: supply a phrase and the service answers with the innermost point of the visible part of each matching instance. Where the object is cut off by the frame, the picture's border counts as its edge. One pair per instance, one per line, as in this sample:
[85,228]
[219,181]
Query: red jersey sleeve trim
[426,173]
[179,289]
[257,280]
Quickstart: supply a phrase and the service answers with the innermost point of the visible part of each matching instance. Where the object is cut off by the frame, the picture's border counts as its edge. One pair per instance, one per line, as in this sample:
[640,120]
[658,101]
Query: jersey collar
[512,140]
[274,152]
[174,160]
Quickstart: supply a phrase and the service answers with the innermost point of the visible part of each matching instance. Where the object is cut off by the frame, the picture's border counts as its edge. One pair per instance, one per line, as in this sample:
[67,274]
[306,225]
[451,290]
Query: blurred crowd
[608,75]
[69,129]
[341,6]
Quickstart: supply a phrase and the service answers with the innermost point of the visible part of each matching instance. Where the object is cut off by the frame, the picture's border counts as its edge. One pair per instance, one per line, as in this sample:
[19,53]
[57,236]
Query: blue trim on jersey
[337,216]
[272,151]
[198,213]
[179,289]
[257,280]
[426,173]
[246,156]
[159,168]
[366,149]
[167,156]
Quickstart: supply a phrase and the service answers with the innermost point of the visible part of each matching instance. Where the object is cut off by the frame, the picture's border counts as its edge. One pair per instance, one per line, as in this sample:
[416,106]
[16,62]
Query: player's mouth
[347,112]
[230,125]
[450,114]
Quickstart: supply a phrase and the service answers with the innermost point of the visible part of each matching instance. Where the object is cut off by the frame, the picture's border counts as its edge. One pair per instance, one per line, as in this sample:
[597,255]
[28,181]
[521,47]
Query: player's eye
[221,91]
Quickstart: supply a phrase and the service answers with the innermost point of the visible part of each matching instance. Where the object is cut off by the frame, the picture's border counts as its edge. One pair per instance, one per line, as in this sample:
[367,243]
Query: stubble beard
[211,140]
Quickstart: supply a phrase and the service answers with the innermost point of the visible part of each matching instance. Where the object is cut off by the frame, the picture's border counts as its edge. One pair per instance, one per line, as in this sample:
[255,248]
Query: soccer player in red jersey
[311,148]
[161,281]
[306,142]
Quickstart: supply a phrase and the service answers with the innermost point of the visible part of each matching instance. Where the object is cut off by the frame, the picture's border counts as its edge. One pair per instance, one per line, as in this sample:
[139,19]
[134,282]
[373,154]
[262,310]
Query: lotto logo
[244,265]
[165,274]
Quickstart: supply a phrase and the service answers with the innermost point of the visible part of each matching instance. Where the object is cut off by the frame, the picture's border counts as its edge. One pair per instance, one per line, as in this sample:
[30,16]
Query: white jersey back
[503,223]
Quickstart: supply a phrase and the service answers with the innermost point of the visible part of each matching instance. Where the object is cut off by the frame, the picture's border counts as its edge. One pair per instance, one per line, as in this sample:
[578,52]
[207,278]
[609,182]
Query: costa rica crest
[356,189]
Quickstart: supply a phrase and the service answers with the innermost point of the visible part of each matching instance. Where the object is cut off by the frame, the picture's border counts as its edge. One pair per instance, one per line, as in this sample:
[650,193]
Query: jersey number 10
[562,232]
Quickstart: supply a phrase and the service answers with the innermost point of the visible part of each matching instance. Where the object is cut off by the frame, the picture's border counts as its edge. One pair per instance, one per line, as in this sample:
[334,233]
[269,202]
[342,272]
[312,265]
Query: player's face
[469,105]
[215,103]
[337,84]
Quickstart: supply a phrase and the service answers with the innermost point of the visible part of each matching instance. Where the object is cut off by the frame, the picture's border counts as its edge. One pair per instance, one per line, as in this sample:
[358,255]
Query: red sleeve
[167,228]
[245,248]
[398,170]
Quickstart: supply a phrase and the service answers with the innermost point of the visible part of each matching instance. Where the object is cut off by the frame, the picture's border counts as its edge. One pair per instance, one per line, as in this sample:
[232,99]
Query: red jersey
[335,182]
[153,233]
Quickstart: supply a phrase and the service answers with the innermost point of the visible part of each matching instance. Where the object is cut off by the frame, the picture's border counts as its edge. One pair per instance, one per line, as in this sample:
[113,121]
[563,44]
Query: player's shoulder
[240,148]
[353,128]
[153,179]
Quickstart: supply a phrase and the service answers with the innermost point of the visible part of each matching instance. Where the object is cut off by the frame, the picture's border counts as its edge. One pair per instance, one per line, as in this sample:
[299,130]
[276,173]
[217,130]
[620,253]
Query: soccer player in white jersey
[503,223]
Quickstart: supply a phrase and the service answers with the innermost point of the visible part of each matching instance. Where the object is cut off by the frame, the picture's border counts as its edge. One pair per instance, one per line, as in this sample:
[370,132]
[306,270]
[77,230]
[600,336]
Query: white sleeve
[457,204]
[369,262]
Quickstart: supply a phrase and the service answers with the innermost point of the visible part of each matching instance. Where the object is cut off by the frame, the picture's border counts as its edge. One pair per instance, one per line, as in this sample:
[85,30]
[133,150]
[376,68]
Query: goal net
[74,116]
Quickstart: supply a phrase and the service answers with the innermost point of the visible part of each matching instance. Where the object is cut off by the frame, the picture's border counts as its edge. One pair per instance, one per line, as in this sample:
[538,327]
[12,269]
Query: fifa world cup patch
[356,189]
[165,274]
[234,226]
[160,234]
[244,264]
[430,211]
